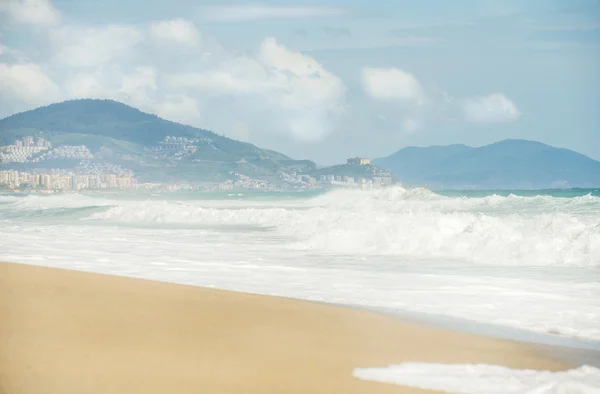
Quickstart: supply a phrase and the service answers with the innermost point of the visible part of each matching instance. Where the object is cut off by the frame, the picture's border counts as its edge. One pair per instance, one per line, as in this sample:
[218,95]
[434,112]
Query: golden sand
[69,332]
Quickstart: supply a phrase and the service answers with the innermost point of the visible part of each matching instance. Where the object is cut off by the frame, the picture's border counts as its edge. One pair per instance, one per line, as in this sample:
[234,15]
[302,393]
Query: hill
[155,148]
[508,164]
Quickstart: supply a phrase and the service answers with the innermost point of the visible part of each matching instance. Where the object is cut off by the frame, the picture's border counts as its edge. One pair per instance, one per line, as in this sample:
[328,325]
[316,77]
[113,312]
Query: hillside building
[359,161]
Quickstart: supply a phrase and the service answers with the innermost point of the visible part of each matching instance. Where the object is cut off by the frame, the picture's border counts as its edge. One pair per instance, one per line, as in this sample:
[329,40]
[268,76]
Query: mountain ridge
[506,164]
[82,110]
[124,135]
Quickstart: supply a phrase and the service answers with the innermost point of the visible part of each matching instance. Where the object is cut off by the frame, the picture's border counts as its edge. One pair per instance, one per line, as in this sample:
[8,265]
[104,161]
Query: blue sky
[323,80]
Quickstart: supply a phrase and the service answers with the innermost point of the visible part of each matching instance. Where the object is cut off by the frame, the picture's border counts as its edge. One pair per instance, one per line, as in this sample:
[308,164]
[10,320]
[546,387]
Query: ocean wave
[401,199]
[410,222]
[56,206]
[41,202]
[65,213]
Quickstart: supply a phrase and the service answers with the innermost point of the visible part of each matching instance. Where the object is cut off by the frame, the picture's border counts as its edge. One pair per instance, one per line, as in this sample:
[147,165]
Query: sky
[323,80]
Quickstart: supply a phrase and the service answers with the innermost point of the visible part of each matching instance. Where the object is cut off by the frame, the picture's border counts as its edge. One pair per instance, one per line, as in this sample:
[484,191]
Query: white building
[359,161]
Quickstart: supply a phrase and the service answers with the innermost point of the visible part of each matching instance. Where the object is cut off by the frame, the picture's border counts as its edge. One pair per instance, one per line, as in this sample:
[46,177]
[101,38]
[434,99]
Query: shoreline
[574,351]
[492,330]
[72,330]
[450,323]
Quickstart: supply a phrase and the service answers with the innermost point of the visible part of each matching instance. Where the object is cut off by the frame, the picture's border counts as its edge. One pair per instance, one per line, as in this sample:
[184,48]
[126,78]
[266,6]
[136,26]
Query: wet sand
[72,332]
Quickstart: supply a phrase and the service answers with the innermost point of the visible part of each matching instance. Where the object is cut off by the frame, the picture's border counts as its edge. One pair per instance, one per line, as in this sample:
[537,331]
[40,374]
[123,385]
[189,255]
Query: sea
[525,262]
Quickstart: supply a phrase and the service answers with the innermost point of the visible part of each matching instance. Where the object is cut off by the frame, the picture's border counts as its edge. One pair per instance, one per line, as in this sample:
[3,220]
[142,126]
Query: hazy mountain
[508,164]
[120,134]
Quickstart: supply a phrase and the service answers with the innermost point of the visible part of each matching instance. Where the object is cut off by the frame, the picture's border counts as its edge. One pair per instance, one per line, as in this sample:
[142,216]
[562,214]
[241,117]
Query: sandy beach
[73,332]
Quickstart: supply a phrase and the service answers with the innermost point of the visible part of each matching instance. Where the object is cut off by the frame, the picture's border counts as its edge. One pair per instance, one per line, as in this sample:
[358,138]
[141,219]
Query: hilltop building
[359,161]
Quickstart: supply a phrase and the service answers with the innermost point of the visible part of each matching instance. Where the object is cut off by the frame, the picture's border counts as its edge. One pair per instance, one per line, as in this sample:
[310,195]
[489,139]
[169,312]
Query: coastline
[573,351]
[72,331]
[494,331]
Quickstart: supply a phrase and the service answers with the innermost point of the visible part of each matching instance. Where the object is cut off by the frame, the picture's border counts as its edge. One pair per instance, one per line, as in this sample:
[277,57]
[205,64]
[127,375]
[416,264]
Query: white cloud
[392,84]
[402,90]
[493,108]
[274,90]
[411,125]
[27,82]
[232,76]
[138,88]
[309,95]
[86,86]
[299,80]
[254,12]
[12,56]
[305,96]
[134,87]
[93,46]
[179,108]
[175,30]
[397,86]
[34,12]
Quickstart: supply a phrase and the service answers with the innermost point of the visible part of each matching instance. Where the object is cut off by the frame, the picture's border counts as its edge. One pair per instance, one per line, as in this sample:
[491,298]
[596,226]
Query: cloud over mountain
[164,67]
[414,106]
[392,84]
[492,108]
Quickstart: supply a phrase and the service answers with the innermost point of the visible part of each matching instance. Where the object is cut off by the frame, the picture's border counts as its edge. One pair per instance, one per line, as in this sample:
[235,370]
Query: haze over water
[527,261]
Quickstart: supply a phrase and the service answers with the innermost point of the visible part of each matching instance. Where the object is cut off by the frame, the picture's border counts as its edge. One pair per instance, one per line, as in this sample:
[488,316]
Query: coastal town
[57,180]
[38,155]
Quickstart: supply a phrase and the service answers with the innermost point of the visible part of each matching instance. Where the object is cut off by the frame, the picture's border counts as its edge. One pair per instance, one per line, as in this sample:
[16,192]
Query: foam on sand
[485,379]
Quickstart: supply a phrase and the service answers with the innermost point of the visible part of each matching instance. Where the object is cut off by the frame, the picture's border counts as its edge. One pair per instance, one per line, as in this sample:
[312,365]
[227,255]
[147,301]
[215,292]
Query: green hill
[119,134]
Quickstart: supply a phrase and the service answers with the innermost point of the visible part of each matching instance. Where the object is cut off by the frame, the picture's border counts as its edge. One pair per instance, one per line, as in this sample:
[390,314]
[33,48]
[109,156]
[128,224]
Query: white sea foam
[485,379]
[489,230]
[40,202]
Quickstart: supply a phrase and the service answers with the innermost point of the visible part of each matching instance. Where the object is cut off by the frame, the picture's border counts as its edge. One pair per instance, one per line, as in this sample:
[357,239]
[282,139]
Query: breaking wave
[538,230]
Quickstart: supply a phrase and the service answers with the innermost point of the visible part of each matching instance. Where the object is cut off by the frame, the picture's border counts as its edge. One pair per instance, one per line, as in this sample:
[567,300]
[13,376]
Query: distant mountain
[120,134]
[508,164]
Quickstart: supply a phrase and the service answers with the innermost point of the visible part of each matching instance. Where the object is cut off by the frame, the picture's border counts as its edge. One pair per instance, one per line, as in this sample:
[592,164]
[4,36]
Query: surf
[513,230]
